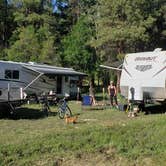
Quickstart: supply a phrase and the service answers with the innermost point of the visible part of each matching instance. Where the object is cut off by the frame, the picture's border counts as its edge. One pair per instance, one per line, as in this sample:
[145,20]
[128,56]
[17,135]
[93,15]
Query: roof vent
[32,63]
[157,49]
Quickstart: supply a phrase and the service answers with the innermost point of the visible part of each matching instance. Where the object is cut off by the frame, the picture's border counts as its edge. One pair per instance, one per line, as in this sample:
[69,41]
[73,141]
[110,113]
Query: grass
[101,137]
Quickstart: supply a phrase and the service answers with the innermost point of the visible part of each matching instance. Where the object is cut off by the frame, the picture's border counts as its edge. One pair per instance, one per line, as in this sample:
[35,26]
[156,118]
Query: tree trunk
[92,90]
[118,81]
[120,51]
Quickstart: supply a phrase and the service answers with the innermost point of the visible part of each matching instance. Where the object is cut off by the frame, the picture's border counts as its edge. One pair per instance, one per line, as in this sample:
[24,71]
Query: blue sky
[55,5]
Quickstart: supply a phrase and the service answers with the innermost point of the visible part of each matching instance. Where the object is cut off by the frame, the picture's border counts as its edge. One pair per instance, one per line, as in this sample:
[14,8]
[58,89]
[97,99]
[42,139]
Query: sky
[54,3]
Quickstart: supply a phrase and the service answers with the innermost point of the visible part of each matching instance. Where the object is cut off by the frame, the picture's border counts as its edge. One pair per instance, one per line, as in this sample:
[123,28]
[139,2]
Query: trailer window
[12,74]
[8,74]
[15,74]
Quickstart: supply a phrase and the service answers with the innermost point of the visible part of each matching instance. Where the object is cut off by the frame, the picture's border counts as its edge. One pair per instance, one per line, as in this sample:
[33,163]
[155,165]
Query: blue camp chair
[87,101]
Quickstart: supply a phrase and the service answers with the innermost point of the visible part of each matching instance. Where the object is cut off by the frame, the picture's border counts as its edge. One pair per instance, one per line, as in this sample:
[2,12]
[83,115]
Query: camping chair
[87,104]
[86,100]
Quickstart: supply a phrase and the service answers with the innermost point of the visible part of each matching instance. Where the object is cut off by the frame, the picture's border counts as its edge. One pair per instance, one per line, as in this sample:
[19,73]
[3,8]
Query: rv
[143,76]
[17,80]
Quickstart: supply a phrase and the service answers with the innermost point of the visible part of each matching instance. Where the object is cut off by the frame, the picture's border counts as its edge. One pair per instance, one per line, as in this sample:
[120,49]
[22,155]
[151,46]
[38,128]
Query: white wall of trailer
[34,79]
[10,88]
[146,73]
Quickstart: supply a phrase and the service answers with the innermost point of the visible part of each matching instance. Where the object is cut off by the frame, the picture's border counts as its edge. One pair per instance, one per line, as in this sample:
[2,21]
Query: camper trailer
[143,76]
[17,80]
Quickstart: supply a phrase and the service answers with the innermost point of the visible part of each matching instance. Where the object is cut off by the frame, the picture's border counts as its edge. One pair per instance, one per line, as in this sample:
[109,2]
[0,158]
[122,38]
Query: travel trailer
[143,76]
[17,80]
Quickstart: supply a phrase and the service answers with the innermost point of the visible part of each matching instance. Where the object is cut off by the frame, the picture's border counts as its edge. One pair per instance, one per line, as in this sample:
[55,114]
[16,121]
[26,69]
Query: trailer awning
[59,71]
[49,70]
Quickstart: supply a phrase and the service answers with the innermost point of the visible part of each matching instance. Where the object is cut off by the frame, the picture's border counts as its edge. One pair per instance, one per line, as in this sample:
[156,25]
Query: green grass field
[101,137]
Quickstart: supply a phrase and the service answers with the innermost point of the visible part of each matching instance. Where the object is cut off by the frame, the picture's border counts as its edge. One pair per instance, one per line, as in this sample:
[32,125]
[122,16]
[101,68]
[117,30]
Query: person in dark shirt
[112,93]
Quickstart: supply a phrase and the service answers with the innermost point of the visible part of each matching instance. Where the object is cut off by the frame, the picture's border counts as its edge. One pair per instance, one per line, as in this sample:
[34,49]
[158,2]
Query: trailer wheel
[141,107]
[5,112]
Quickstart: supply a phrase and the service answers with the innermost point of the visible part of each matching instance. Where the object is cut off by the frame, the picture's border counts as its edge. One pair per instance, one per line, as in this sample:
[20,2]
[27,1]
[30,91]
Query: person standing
[112,93]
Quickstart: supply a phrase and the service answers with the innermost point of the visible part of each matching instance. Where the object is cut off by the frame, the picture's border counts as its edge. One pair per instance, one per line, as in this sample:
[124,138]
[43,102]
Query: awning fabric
[50,70]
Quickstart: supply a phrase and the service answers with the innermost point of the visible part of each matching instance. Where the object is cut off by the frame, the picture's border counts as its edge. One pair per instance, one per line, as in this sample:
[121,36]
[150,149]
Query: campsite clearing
[101,137]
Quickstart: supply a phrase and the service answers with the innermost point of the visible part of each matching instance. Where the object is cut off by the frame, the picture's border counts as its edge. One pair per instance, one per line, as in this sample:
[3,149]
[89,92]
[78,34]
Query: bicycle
[45,105]
[63,108]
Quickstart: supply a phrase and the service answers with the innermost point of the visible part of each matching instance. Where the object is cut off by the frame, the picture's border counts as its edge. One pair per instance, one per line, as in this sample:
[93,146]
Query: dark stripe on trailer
[13,81]
[160,71]
[127,72]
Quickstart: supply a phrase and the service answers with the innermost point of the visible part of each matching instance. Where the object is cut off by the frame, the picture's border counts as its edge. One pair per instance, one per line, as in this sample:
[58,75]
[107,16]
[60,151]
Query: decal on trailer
[143,68]
[146,58]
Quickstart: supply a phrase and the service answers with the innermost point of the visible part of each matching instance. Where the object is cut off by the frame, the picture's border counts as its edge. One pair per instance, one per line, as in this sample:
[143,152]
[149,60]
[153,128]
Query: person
[112,93]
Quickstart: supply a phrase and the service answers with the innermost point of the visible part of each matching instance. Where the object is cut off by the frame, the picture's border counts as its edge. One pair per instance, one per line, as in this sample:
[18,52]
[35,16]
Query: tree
[33,38]
[127,26]
[26,48]
[79,8]
[3,20]
[77,51]
[6,26]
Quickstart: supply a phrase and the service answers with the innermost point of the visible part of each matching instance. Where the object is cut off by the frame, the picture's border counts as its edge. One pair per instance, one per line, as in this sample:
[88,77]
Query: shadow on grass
[155,109]
[27,113]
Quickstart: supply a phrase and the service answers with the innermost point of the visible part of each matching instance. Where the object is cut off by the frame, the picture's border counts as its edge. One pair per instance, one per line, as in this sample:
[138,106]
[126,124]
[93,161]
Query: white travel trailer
[143,76]
[20,79]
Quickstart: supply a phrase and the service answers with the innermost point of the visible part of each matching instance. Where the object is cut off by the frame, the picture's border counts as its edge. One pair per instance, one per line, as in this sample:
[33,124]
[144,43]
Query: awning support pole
[33,81]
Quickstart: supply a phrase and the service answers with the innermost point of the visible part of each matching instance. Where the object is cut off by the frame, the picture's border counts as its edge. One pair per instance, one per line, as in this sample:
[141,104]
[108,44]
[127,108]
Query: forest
[81,34]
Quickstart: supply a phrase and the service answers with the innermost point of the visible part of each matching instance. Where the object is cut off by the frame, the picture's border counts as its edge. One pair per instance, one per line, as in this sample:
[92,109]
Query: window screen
[8,74]
[11,74]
